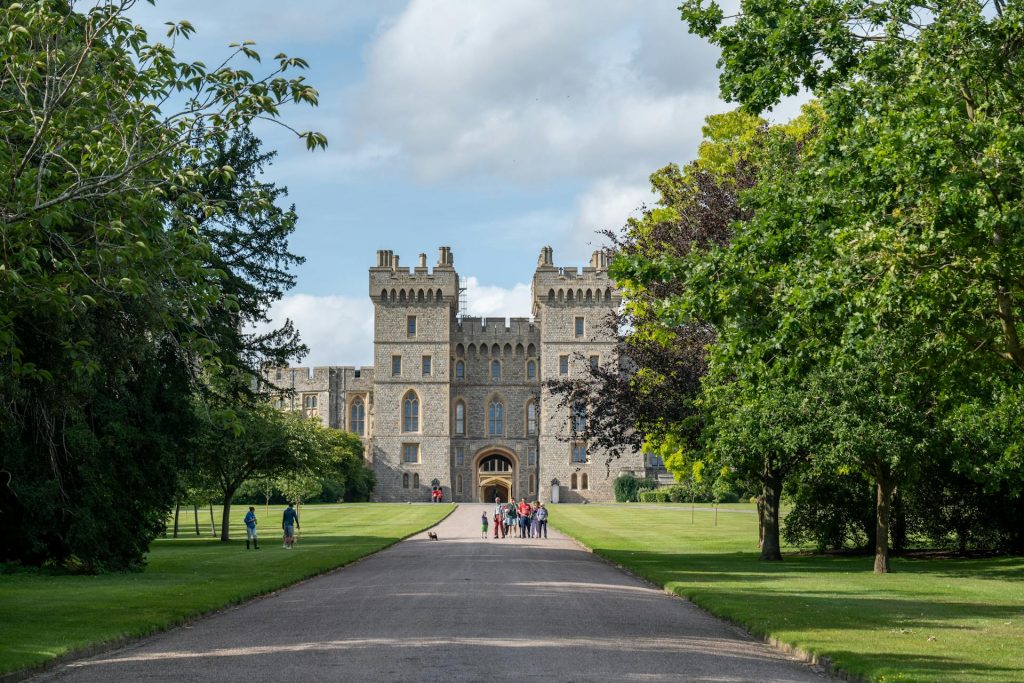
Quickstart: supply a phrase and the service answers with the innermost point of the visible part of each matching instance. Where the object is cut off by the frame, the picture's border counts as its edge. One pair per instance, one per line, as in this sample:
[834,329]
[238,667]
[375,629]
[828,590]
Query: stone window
[416,480]
[531,418]
[410,325]
[426,366]
[405,480]
[411,454]
[533,484]
[496,418]
[584,481]
[411,413]
[531,369]
[396,366]
[495,369]
[460,370]
[358,421]
[563,365]
[572,482]
[460,455]
[579,327]
[579,454]
[531,455]
[460,418]
[309,405]
[458,484]
[579,417]
[595,361]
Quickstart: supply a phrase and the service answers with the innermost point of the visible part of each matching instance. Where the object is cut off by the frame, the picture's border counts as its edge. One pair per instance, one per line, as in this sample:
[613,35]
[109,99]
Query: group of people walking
[512,520]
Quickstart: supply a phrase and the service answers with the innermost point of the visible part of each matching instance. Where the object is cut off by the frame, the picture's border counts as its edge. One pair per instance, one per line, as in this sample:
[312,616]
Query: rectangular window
[460,454]
[410,324]
[396,366]
[426,365]
[594,362]
[531,455]
[410,453]
[579,453]
[579,327]
[563,365]
[309,407]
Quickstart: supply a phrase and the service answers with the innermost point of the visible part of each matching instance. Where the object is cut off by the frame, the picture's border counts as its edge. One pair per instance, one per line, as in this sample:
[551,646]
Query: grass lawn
[931,619]
[43,616]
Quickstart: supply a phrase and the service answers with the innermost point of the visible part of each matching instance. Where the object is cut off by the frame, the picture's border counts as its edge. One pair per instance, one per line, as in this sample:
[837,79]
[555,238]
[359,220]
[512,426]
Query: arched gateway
[496,476]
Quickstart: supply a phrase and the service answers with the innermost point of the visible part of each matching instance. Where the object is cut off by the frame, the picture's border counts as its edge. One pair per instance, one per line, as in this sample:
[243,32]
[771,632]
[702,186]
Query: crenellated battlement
[572,286]
[473,329]
[391,282]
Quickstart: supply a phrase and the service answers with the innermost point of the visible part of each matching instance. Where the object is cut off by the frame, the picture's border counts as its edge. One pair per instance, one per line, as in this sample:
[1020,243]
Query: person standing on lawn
[290,523]
[250,529]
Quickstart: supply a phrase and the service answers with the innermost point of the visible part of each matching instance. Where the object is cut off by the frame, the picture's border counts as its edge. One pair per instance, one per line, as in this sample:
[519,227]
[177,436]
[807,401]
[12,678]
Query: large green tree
[106,287]
[920,166]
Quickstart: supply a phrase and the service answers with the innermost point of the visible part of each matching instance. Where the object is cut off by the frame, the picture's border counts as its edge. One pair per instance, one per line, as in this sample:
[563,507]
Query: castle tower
[571,307]
[414,311]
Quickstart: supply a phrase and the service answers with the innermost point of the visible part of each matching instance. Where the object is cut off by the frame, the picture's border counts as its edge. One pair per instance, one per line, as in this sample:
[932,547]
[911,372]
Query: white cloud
[497,302]
[338,330]
[606,205]
[534,90]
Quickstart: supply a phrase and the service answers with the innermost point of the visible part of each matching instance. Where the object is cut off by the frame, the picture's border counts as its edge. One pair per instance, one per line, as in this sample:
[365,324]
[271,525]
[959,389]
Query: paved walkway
[457,609]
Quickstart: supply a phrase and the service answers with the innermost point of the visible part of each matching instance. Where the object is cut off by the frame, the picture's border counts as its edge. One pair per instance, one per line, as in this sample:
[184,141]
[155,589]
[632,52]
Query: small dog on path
[432,535]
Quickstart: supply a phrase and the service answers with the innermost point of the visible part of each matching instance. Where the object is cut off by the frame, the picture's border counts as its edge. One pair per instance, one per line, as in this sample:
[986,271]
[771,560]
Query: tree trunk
[195,516]
[177,513]
[213,525]
[771,549]
[760,521]
[225,517]
[884,485]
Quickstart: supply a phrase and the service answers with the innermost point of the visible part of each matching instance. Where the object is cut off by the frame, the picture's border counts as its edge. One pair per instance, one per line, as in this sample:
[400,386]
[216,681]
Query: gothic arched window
[411,413]
[358,421]
[531,369]
[496,418]
[495,369]
[460,370]
[531,418]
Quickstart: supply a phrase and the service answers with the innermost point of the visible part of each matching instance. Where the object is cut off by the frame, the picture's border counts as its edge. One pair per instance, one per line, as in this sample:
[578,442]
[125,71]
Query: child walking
[483,525]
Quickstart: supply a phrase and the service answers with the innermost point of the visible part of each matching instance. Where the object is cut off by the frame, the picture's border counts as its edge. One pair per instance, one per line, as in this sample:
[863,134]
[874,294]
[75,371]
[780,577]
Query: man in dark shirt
[290,523]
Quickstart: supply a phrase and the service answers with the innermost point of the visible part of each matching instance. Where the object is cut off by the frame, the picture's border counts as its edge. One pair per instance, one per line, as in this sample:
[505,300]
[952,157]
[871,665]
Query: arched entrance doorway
[495,476]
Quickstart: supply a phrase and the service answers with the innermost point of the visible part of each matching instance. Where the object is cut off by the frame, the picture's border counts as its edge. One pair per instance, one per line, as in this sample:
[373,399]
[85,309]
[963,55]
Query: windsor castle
[460,402]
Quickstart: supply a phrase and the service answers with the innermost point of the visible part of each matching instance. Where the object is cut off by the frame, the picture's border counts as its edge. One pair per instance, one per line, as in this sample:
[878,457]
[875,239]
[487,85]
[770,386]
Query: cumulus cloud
[496,302]
[534,90]
[337,329]
[606,205]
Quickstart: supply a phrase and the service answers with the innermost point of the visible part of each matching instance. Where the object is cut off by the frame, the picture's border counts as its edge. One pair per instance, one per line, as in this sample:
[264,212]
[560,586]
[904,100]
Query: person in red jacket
[524,518]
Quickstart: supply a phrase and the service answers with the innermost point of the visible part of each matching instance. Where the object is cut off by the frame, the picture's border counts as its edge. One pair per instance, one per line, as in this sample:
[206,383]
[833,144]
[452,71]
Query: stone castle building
[459,402]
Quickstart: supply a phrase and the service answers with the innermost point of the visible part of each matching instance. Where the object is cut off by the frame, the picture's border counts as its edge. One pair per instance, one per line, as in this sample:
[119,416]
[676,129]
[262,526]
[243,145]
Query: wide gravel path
[457,609]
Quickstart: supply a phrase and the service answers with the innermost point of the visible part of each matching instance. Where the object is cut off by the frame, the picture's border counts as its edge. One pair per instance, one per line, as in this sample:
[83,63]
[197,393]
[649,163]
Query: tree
[105,287]
[920,167]
[644,397]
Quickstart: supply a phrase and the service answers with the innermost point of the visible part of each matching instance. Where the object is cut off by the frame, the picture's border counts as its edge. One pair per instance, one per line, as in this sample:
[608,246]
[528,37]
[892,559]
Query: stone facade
[460,402]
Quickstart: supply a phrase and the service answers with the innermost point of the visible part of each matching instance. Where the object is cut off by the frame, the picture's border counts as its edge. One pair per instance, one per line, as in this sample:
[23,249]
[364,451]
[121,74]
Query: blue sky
[491,127]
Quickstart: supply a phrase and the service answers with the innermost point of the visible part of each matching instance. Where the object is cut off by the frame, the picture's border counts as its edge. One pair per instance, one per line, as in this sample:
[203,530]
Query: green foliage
[109,284]
[628,486]
[830,511]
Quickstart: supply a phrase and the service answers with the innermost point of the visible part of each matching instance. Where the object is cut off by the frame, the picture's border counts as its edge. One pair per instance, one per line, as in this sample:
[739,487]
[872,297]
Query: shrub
[627,487]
